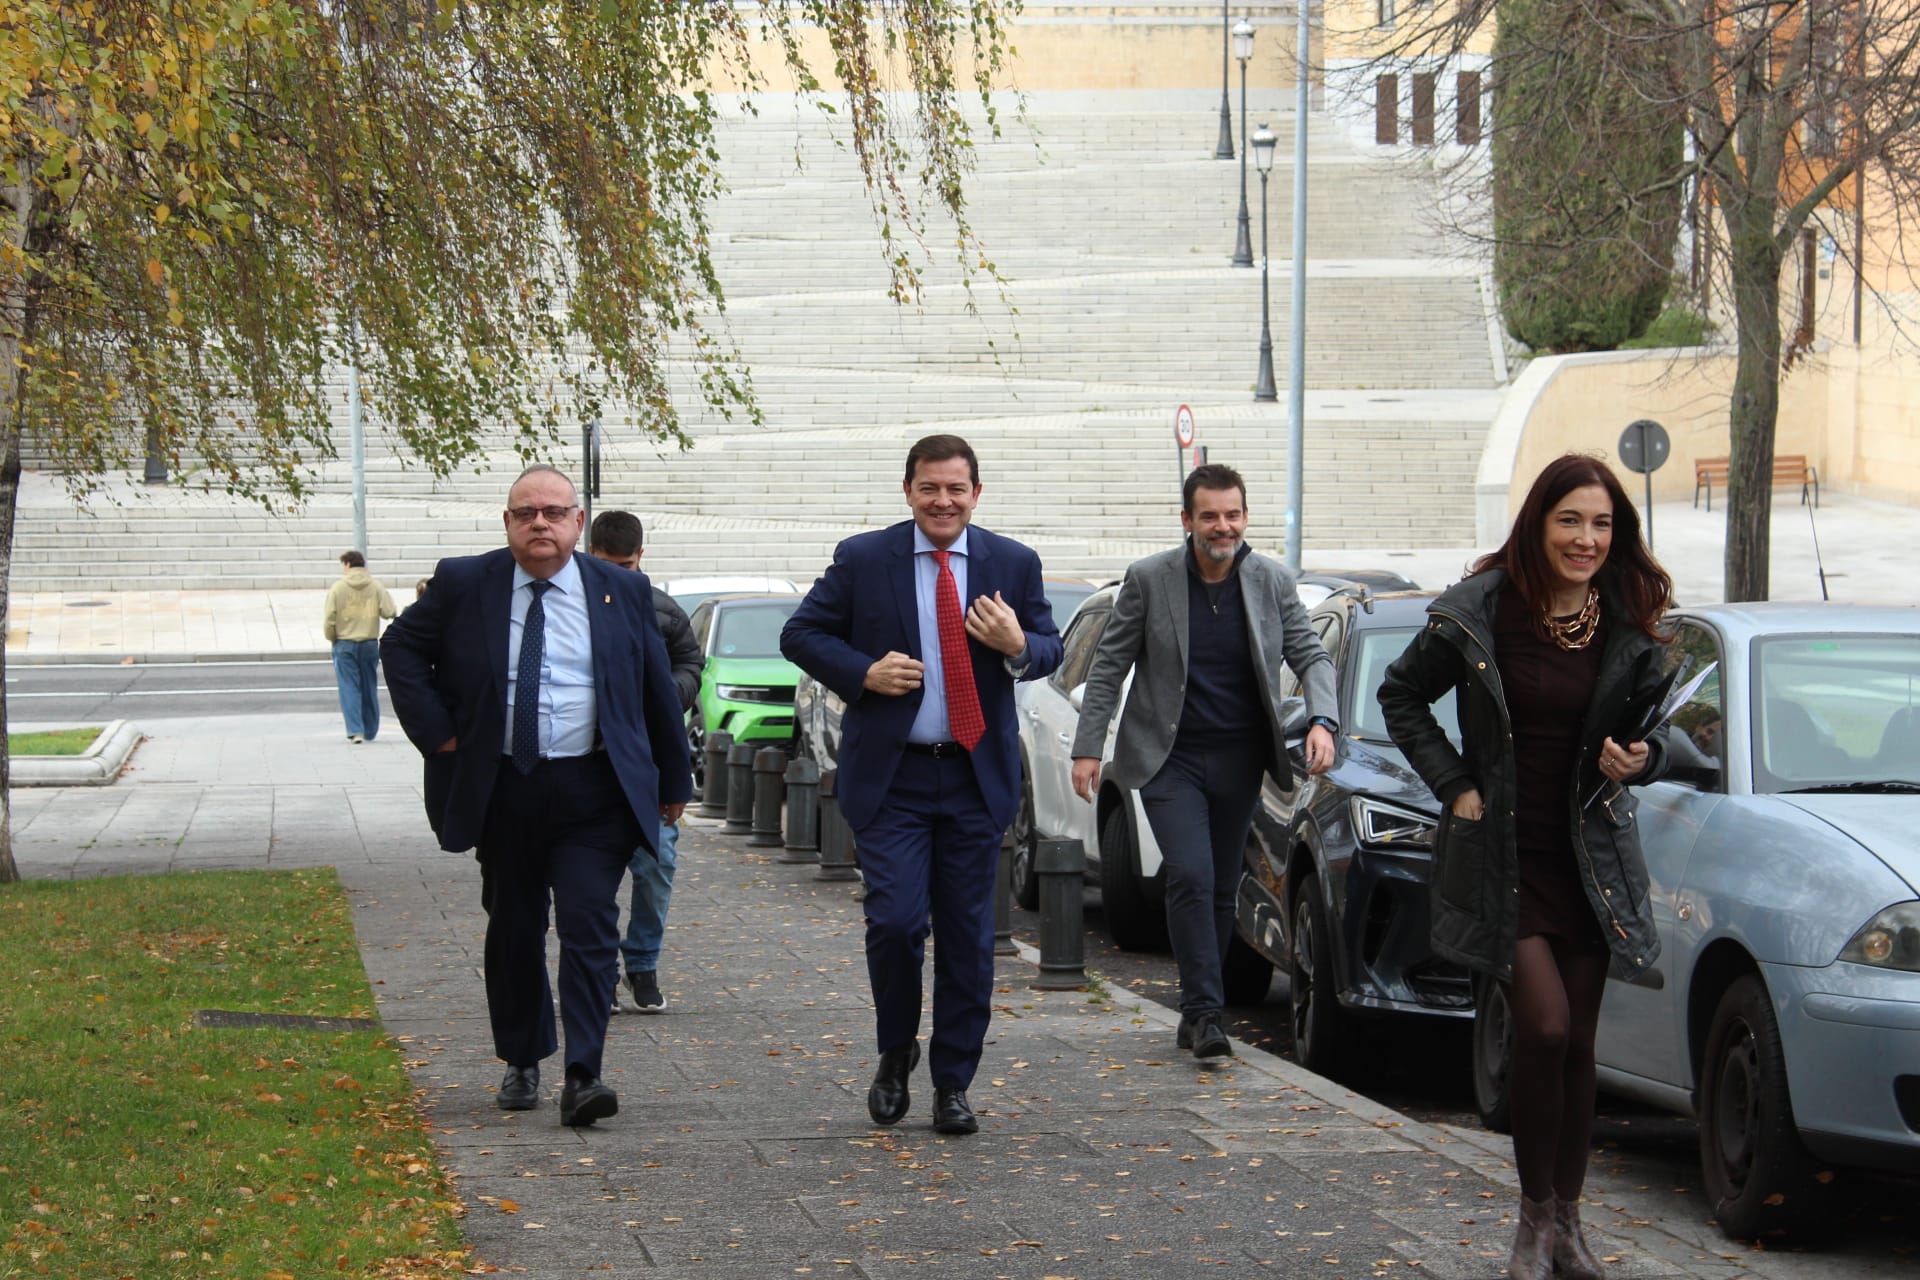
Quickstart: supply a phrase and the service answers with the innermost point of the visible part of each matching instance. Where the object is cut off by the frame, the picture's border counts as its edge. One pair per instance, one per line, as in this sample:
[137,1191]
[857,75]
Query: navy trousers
[929,856]
[561,835]
[1200,806]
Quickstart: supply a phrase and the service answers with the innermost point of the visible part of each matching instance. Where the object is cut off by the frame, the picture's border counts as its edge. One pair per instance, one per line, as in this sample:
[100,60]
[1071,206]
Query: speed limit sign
[1183,427]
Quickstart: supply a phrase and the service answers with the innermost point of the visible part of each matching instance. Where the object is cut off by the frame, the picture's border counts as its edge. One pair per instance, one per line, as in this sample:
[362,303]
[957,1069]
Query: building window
[1386,110]
[1386,12]
[1466,105]
[1423,84]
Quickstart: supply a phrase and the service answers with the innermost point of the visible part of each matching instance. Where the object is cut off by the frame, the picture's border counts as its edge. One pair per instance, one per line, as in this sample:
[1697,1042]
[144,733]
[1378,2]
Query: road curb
[98,766]
[110,659]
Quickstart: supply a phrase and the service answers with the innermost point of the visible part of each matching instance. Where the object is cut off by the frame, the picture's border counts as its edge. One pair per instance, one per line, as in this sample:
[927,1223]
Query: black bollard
[1003,899]
[713,758]
[802,831]
[836,841]
[769,793]
[739,789]
[1061,866]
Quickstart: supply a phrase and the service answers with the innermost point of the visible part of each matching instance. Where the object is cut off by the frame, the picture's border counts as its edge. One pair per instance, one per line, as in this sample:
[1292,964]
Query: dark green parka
[1475,885]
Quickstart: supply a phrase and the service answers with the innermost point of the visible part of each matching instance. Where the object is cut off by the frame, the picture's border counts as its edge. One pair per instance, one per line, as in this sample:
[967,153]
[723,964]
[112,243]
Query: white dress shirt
[567,725]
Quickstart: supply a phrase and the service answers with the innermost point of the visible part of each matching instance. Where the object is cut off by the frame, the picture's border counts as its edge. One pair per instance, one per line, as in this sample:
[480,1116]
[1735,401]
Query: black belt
[938,750]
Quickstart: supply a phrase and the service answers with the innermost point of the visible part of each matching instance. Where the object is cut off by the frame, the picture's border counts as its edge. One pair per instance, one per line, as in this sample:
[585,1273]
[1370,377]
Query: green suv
[747,687]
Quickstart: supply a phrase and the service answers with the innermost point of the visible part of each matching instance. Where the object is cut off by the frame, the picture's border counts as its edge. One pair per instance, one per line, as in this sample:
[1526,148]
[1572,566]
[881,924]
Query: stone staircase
[1111,232]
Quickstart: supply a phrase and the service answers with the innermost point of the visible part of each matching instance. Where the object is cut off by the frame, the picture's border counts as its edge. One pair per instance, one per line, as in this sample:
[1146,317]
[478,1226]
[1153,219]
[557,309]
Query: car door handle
[1065,737]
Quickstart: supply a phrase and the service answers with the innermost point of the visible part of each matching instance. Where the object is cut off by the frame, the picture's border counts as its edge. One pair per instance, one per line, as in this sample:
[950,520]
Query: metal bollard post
[713,757]
[836,841]
[769,794]
[802,831]
[739,789]
[1061,866]
[1003,899]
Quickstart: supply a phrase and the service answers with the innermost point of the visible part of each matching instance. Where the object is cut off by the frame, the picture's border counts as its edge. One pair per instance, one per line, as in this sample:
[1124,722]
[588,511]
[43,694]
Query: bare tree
[1789,108]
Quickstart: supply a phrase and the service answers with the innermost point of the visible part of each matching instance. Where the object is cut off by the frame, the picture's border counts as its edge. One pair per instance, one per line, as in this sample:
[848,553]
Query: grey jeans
[1200,806]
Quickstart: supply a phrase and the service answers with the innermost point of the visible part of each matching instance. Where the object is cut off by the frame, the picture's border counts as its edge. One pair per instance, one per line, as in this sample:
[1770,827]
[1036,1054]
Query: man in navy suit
[536,684]
[929,754]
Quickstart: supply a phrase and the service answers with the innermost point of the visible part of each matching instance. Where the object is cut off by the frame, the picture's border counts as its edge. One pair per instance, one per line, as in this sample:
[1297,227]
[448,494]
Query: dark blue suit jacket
[864,607]
[446,661]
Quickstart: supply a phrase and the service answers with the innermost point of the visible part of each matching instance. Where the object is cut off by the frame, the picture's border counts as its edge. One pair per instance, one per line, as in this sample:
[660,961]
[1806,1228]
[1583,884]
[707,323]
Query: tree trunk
[1754,410]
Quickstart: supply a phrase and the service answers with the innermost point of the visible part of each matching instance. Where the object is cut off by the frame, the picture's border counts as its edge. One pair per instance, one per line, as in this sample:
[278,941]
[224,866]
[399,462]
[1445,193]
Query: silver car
[1784,853]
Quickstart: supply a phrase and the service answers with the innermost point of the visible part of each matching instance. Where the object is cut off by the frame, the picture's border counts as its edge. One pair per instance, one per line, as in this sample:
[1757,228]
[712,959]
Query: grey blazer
[1148,632]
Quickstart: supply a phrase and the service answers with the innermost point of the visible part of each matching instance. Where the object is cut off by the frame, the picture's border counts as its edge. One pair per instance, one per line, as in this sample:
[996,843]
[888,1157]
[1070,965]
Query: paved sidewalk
[743,1148]
[1863,544]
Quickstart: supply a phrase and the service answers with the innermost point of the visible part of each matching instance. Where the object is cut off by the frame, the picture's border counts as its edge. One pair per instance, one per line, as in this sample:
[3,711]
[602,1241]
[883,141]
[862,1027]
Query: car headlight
[1396,829]
[754,693]
[1891,940]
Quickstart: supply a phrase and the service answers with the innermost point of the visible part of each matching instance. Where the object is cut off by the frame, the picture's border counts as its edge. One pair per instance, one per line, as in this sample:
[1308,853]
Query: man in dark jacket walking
[618,538]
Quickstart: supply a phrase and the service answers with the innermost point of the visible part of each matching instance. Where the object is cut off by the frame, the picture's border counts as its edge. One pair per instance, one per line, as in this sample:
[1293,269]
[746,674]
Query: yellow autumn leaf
[142,123]
[161,213]
[509,1206]
[155,272]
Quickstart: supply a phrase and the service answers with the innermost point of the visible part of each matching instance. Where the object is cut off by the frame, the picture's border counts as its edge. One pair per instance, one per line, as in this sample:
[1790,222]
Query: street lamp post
[1263,143]
[1243,50]
[1297,318]
[1224,151]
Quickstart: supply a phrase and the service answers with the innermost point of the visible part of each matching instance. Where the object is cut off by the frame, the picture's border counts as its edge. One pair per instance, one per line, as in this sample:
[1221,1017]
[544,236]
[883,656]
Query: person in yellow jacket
[355,605]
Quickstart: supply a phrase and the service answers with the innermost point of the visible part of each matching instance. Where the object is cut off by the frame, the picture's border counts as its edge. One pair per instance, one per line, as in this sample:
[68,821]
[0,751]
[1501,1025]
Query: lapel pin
[606,599]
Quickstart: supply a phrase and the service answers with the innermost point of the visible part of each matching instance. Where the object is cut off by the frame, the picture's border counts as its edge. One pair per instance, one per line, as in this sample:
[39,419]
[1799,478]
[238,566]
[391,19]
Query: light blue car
[1784,852]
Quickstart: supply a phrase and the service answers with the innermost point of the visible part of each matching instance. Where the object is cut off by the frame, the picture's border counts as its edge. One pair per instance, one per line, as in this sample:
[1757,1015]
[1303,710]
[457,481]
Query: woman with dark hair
[1552,646]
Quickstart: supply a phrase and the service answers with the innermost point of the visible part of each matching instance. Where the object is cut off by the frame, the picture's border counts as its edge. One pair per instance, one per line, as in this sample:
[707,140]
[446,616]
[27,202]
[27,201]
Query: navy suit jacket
[864,607]
[446,661]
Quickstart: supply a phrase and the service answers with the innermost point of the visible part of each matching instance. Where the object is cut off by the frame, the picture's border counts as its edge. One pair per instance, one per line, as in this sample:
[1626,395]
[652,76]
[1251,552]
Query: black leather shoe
[584,1101]
[519,1089]
[952,1113]
[1210,1038]
[887,1099]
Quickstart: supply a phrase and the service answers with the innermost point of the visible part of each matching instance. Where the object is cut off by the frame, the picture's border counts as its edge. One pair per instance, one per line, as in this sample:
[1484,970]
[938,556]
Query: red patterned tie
[964,719]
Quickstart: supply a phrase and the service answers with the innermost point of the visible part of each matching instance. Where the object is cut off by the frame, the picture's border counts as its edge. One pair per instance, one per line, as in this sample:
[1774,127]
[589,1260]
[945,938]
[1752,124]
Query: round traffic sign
[1183,427]
[1644,446]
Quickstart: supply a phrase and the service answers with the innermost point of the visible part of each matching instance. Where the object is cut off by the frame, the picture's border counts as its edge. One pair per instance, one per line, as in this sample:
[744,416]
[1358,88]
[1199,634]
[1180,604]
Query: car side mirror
[1076,696]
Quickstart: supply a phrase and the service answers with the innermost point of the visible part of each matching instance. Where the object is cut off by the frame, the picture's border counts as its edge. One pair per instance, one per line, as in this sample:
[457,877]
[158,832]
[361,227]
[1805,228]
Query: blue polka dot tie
[526,688]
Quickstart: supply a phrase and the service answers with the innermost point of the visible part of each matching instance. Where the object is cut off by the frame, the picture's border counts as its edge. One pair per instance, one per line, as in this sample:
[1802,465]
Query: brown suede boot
[1532,1256]
[1571,1257]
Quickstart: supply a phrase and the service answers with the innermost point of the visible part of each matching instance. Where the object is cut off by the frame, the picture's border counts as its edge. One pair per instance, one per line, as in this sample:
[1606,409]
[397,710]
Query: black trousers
[560,836]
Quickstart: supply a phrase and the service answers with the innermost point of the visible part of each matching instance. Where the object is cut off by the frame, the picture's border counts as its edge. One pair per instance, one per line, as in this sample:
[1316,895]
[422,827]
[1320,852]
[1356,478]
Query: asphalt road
[81,692]
[1426,1075]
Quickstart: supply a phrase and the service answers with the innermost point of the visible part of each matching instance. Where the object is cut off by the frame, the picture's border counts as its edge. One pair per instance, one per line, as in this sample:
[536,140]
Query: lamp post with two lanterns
[1243,50]
[1263,144]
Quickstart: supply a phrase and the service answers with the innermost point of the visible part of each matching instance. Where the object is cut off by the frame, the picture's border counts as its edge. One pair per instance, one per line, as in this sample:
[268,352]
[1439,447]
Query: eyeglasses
[527,515]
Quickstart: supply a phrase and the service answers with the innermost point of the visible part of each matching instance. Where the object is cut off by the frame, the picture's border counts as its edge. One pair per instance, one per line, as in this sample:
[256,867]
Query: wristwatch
[1324,722]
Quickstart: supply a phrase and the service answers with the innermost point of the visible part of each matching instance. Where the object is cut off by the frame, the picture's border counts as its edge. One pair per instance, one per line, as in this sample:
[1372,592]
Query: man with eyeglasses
[536,684]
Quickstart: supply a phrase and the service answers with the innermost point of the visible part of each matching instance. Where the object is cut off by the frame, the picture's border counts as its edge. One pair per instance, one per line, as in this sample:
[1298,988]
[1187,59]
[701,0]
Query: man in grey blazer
[1203,626]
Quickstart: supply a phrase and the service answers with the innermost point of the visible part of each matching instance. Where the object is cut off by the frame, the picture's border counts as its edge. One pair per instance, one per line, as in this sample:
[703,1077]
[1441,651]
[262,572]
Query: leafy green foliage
[496,210]
[138,1144]
[1674,327]
[1584,235]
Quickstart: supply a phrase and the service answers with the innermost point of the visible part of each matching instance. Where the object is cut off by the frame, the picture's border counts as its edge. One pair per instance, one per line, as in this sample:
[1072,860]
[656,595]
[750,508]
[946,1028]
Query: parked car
[747,687]
[1784,1009]
[817,709]
[1315,585]
[689,592]
[1334,890]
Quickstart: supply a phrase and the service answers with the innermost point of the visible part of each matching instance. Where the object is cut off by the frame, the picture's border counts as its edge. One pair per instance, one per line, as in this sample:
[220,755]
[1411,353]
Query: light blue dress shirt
[930,724]
[566,670]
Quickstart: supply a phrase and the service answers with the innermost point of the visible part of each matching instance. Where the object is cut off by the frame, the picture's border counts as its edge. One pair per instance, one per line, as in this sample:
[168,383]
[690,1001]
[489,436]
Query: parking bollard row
[801,833]
[713,759]
[1003,899]
[739,789]
[769,794]
[836,839]
[1061,867]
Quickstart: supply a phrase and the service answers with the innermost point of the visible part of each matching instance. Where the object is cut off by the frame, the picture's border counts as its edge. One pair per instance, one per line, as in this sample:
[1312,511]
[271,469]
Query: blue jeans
[652,890]
[1200,806]
[356,670]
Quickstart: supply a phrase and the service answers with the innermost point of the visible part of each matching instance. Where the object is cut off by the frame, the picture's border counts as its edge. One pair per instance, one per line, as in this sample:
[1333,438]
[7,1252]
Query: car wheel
[1758,1174]
[1136,922]
[1020,874]
[1247,974]
[1492,1054]
[1321,1029]
[697,746]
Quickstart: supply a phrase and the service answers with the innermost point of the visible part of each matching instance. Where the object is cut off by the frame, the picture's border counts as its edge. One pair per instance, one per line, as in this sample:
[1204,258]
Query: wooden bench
[1788,468]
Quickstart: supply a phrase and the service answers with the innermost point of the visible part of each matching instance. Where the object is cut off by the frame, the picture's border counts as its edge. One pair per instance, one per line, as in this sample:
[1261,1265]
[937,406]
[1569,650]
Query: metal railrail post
[769,794]
[802,829]
[1061,866]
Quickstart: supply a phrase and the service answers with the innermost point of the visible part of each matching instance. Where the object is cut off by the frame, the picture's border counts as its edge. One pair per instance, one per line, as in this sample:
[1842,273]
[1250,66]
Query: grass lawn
[136,1144]
[59,742]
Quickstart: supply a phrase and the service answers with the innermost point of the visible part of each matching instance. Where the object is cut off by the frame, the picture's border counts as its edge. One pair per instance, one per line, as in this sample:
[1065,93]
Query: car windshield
[1378,647]
[1065,599]
[1834,712]
[751,630]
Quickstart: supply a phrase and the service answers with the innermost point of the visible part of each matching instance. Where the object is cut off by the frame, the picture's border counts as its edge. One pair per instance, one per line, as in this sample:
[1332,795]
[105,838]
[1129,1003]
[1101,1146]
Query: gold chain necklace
[1578,631]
